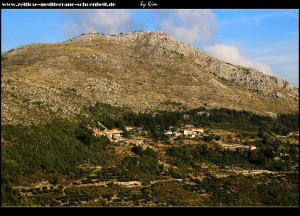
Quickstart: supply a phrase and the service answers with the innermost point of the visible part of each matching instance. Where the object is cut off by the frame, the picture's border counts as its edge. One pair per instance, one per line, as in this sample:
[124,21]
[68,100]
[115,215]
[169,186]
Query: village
[189,132]
[115,134]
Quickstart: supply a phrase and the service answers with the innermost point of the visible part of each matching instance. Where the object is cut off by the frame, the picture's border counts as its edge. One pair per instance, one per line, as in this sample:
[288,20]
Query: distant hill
[139,70]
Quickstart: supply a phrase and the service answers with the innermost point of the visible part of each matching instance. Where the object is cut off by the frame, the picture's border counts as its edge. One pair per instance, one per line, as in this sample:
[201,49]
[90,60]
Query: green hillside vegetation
[158,121]
[56,151]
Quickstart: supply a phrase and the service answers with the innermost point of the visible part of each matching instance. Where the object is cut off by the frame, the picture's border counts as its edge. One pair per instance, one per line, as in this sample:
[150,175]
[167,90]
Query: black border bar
[146,4]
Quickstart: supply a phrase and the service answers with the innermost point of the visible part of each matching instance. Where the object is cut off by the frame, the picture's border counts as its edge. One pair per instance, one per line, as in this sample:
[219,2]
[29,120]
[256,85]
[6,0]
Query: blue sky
[267,40]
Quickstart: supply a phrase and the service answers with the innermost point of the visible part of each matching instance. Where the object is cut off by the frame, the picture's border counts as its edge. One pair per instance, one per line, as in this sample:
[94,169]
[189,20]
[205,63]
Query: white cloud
[282,58]
[189,25]
[257,19]
[292,13]
[290,72]
[72,29]
[5,47]
[232,55]
[103,21]
[53,24]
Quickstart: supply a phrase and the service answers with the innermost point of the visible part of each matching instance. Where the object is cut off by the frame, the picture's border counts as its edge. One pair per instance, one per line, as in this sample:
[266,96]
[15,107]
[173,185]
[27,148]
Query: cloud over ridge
[232,55]
[190,25]
[106,21]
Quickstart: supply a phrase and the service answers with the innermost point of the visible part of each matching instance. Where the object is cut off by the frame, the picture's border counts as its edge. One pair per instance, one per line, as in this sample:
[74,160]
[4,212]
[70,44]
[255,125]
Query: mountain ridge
[139,70]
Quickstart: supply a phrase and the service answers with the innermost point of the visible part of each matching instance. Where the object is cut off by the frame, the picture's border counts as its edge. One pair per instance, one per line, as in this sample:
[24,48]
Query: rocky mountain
[139,70]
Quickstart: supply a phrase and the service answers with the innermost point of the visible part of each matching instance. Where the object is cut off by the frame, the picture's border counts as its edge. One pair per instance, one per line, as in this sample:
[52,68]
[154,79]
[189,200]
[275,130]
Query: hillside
[138,70]
[141,119]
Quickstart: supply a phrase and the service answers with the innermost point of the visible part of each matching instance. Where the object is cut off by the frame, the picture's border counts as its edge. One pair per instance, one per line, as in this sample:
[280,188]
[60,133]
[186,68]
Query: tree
[208,138]
[126,133]
[45,189]
[174,129]
[204,147]
[146,191]
[137,150]
[150,152]
[120,123]
[7,196]
[25,201]
[261,133]
[60,187]
[84,135]
[55,180]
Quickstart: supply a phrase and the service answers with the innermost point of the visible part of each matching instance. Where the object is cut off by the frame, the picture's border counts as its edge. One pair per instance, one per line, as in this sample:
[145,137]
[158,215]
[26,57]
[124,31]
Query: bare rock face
[251,78]
[139,70]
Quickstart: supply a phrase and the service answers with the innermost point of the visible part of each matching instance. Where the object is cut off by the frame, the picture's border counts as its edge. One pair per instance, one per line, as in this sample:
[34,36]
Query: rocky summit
[139,70]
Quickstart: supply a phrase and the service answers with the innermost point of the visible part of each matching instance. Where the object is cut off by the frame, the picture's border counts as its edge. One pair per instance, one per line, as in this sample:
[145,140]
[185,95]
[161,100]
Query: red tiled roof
[97,131]
[198,129]
[115,130]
